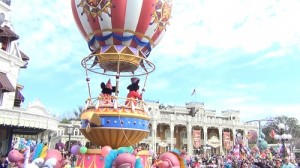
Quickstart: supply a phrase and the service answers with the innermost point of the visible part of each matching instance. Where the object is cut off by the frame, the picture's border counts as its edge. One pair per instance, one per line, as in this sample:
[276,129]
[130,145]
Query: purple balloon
[75,149]
[151,152]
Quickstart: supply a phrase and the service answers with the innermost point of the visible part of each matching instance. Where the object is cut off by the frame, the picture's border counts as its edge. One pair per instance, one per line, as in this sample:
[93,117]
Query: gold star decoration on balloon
[95,8]
[162,13]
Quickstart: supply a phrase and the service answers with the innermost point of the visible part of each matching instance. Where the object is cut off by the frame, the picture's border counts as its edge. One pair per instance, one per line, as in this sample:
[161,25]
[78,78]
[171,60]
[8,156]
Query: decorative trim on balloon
[138,34]
[121,38]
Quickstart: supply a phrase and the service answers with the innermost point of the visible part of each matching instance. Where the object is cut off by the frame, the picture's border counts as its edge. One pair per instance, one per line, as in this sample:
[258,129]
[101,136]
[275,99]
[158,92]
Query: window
[1,97]
[168,133]
[76,131]
[183,134]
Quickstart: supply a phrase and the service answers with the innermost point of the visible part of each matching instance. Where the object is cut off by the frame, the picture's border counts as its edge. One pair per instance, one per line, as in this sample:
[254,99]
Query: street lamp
[50,134]
[70,131]
[283,137]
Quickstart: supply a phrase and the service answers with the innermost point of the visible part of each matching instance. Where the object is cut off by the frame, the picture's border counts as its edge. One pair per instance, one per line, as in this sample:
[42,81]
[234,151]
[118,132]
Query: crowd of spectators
[201,161]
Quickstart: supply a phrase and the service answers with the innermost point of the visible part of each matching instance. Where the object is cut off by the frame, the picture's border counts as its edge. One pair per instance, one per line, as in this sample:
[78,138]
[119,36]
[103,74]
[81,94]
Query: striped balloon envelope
[129,27]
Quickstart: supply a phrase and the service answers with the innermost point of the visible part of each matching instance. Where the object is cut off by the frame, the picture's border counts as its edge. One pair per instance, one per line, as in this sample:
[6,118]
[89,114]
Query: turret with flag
[194,92]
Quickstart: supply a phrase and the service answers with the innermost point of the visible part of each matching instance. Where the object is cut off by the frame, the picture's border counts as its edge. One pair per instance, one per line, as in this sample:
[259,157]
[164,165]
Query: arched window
[60,132]
[76,131]
[183,134]
[168,133]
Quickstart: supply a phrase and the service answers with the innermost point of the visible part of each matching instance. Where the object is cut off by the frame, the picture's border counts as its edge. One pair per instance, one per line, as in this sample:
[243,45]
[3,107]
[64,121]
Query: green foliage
[162,106]
[291,124]
[77,112]
[65,121]
[75,115]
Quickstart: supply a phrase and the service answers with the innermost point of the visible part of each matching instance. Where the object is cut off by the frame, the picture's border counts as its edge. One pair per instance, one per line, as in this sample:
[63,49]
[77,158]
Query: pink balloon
[105,150]
[53,153]
[15,156]
[187,158]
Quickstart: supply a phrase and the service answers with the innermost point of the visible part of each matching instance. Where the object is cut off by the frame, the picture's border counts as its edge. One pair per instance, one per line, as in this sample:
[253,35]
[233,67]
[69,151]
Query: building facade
[189,127]
[33,122]
[194,128]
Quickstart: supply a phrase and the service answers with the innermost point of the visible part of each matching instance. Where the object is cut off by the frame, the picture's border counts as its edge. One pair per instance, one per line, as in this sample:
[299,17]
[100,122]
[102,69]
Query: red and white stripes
[125,18]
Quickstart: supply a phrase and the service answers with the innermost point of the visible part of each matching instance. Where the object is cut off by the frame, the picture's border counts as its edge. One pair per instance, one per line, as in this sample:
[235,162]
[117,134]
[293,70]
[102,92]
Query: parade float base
[93,159]
[115,127]
[114,137]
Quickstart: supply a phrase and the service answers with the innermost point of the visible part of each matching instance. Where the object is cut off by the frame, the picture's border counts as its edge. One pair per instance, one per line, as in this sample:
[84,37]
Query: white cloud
[251,112]
[238,100]
[278,53]
[231,24]
[48,32]
[244,86]
[203,38]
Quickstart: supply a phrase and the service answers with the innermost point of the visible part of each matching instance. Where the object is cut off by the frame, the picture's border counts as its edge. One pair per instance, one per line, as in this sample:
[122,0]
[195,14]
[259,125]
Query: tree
[65,121]
[162,106]
[291,124]
[78,112]
[75,115]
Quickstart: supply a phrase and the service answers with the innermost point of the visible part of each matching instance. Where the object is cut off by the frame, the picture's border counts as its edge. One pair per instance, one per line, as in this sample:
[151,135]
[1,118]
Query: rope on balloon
[88,84]
[143,90]
[123,129]
[120,116]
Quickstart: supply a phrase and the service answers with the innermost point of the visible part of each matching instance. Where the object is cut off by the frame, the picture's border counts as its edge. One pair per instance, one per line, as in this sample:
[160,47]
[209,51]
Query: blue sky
[240,55]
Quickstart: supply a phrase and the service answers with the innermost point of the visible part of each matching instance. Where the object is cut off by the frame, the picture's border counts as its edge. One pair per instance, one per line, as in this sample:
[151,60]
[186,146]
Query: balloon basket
[94,159]
[111,122]
[110,60]
[126,59]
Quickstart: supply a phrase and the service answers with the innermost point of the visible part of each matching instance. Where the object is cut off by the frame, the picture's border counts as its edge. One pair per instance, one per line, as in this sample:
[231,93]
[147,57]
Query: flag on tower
[194,91]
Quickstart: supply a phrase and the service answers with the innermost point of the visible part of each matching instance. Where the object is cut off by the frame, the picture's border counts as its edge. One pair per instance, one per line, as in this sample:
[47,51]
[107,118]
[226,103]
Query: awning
[19,96]
[24,56]
[5,84]
[5,31]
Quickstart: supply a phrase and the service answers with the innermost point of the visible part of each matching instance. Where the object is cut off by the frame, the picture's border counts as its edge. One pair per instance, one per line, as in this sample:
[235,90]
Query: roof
[24,56]
[5,84]
[5,31]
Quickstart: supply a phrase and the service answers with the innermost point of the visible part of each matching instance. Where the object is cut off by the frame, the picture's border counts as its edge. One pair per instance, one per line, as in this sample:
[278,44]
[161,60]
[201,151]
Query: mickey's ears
[135,80]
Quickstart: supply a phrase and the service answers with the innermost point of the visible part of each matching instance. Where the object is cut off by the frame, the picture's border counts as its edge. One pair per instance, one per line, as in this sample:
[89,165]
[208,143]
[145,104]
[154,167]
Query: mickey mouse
[133,91]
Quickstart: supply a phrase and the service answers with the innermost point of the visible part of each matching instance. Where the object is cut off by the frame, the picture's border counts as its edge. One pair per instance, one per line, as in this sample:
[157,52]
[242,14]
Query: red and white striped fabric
[146,19]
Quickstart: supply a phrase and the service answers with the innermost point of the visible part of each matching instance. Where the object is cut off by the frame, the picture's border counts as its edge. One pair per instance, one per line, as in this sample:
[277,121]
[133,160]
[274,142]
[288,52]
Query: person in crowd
[4,162]
[287,163]
[298,163]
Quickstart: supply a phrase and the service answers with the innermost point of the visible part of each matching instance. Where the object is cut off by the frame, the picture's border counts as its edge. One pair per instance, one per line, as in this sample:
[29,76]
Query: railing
[194,103]
[105,100]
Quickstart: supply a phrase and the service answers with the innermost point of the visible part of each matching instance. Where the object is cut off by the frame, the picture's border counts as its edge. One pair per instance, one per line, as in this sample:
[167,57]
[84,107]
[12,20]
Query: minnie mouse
[107,90]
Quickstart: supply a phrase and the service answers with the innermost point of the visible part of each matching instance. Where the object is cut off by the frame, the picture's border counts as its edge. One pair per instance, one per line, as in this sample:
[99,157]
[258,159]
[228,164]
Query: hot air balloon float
[120,35]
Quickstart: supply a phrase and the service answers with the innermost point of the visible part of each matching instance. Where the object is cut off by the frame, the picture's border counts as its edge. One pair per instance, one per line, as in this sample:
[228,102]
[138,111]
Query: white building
[33,122]
[182,123]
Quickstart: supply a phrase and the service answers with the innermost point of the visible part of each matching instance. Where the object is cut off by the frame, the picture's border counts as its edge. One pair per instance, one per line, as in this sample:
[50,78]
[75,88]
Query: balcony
[22,118]
[169,140]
